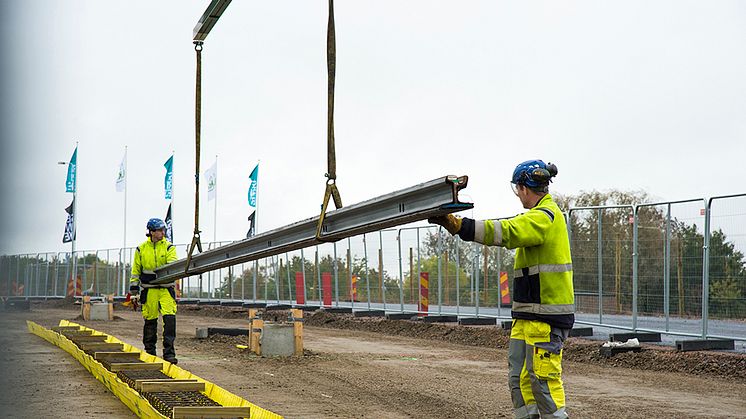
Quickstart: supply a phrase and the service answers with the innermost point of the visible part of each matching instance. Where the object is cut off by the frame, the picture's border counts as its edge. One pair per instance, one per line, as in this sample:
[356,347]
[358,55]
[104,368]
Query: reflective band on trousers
[158,286]
[543,308]
[533,270]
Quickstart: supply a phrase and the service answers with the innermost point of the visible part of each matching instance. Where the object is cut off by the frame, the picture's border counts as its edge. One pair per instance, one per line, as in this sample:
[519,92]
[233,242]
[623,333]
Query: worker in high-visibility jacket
[543,298]
[155,299]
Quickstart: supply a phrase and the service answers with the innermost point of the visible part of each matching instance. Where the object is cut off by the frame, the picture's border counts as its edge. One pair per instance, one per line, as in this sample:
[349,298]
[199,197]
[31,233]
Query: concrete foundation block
[100,311]
[278,340]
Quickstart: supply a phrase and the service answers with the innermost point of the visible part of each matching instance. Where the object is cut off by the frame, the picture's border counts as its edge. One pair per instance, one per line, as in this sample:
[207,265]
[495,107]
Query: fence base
[369,313]
[400,316]
[581,331]
[640,336]
[705,344]
[477,321]
[439,319]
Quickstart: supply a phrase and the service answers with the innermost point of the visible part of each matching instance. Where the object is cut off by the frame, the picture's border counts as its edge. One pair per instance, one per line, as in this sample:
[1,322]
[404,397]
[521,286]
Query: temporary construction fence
[674,267]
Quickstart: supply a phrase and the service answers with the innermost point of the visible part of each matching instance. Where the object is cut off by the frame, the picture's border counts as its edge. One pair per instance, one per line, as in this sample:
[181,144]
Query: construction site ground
[368,368]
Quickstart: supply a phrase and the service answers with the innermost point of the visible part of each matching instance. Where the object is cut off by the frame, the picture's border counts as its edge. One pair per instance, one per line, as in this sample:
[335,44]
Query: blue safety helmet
[534,174]
[155,224]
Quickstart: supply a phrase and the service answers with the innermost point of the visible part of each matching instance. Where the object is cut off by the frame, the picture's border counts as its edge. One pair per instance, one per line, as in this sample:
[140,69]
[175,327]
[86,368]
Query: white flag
[211,175]
[122,175]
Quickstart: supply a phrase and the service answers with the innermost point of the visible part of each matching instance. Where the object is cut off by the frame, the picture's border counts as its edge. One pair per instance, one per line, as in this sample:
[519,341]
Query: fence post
[458,276]
[440,271]
[600,250]
[706,269]
[667,267]
[401,273]
[634,267]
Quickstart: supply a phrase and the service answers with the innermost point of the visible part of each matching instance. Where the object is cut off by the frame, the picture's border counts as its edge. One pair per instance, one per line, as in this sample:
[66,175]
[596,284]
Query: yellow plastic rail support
[133,400]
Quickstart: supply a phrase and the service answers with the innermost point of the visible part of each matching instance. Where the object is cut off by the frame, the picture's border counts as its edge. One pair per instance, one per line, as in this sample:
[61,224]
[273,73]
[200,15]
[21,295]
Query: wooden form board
[138,383]
[169,386]
[76,333]
[196,412]
[88,339]
[122,366]
[101,346]
[105,354]
[64,328]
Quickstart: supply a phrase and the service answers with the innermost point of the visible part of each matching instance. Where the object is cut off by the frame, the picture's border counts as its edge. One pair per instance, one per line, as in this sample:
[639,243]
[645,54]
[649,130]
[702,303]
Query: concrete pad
[278,339]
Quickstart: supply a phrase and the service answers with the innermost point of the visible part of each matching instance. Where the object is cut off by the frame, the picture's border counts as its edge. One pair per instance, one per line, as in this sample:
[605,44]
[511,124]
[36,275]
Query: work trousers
[535,370]
[157,301]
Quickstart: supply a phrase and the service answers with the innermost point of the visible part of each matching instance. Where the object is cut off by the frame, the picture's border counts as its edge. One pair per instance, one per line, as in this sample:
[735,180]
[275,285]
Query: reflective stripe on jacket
[542,284]
[148,257]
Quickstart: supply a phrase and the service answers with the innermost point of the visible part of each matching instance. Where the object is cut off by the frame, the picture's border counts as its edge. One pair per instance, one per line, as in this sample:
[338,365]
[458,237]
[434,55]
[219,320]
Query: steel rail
[436,197]
[209,18]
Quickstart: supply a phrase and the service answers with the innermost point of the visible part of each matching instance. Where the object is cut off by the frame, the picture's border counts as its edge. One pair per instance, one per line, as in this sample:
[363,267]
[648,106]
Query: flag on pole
[254,176]
[169,225]
[122,175]
[211,175]
[251,225]
[72,170]
[168,181]
[69,234]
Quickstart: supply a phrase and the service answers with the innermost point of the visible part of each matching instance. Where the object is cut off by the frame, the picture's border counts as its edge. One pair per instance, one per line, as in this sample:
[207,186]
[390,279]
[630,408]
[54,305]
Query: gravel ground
[374,368]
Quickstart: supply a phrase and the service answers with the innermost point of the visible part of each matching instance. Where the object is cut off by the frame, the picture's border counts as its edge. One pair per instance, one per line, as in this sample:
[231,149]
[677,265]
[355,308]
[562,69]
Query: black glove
[134,290]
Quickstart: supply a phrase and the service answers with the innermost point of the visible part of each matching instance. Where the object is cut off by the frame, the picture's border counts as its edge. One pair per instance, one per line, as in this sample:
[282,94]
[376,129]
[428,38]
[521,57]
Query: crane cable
[331,174]
[196,242]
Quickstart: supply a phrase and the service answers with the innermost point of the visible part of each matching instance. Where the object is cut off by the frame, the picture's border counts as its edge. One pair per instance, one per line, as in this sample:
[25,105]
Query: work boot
[150,336]
[169,335]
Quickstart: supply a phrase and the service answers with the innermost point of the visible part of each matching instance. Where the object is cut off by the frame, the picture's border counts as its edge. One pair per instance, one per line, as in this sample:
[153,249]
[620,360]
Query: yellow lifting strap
[196,242]
[331,175]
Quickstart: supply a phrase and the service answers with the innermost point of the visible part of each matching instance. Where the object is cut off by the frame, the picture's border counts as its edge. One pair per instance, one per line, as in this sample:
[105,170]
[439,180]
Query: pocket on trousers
[547,365]
[538,331]
[143,296]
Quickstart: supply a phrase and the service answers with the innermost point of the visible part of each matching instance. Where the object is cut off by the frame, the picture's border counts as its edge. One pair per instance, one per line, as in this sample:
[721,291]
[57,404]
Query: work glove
[449,221]
[135,291]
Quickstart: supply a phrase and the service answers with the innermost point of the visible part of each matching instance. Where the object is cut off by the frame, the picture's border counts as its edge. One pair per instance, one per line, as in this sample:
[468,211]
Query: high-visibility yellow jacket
[542,285]
[148,257]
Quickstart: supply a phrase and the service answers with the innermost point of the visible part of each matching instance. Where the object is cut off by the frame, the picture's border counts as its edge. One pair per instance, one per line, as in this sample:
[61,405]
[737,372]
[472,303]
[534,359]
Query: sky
[634,95]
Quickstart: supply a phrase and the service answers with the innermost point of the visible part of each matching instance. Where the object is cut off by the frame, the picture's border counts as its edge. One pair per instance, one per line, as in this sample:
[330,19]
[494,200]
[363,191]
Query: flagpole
[124,242]
[215,215]
[75,224]
[256,208]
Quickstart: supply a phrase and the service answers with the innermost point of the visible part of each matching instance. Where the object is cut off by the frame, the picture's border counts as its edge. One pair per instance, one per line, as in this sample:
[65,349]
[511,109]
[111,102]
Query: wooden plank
[138,383]
[106,354]
[71,333]
[61,328]
[88,338]
[298,331]
[123,366]
[170,386]
[197,412]
[100,346]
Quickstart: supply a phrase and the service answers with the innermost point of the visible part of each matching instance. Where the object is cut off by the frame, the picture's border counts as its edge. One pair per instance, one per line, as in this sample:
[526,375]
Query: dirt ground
[373,368]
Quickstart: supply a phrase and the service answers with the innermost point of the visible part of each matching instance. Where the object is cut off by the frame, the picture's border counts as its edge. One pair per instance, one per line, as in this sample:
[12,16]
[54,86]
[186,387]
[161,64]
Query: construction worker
[155,299]
[543,299]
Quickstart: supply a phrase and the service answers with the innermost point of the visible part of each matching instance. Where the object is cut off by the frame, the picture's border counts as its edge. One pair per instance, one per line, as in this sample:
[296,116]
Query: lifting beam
[436,197]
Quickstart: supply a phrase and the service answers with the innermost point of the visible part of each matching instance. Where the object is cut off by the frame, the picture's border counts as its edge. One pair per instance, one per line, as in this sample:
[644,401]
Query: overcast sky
[625,95]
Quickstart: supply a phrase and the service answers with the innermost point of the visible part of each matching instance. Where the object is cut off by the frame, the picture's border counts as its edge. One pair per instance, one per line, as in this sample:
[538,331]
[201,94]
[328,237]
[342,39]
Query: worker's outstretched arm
[525,230]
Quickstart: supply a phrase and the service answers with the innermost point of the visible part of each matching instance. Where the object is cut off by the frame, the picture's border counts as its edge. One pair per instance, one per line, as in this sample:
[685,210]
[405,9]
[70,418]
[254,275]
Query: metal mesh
[130,376]
[165,402]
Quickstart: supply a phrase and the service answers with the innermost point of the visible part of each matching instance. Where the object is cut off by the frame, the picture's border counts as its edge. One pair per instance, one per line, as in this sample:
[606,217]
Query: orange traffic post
[424,286]
[353,288]
[504,288]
